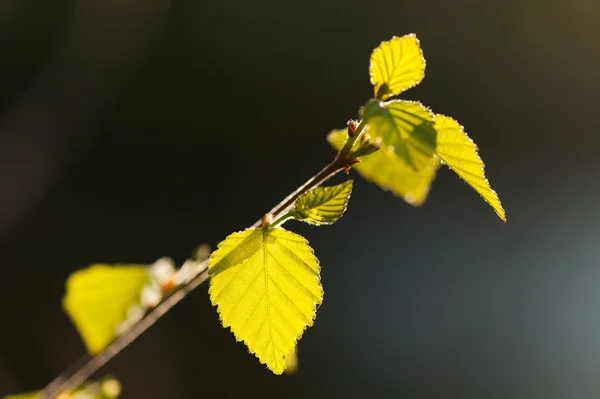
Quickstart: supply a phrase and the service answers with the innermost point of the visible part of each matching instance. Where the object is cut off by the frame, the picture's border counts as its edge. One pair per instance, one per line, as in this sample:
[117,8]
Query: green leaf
[396,65]
[390,172]
[99,298]
[459,152]
[265,284]
[323,205]
[404,127]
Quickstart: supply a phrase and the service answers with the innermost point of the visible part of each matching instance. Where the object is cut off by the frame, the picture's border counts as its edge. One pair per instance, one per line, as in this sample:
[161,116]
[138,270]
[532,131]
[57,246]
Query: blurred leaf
[29,395]
[396,65]
[459,152]
[391,172]
[99,298]
[265,284]
[405,128]
[323,205]
[291,362]
[109,388]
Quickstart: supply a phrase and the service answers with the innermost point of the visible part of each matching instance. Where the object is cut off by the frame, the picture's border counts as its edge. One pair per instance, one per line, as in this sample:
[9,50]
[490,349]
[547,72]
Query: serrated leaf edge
[305,325]
[347,200]
[387,42]
[501,215]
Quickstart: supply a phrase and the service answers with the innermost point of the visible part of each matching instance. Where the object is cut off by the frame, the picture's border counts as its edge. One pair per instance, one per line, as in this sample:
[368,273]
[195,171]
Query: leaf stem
[327,172]
[86,366]
[340,162]
[283,218]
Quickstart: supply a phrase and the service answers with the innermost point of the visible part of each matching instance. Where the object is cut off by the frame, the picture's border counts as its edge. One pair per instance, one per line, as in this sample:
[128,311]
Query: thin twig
[82,370]
[72,379]
[339,163]
[314,181]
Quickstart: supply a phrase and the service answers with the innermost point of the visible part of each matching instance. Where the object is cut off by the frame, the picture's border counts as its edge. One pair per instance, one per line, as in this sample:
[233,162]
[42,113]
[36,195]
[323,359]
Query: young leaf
[99,298]
[265,284]
[396,65]
[390,172]
[405,127]
[459,152]
[323,205]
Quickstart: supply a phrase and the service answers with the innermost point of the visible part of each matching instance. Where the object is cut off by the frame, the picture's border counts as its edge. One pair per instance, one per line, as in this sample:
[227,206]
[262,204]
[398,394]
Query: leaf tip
[500,211]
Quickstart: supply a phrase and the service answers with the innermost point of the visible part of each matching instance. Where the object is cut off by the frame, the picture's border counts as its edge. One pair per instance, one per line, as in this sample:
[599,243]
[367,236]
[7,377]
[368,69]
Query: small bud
[267,219]
[349,164]
[202,252]
[351,127]
[367,147]
[162,270]
[377,143]
[169,284]
[365,138]
[151,295]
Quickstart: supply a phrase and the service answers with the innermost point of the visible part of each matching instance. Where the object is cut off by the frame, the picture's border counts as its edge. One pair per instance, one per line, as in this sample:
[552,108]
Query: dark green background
[135,129]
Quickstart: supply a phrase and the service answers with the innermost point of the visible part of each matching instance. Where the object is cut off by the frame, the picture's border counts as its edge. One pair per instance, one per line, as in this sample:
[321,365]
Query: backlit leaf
[265,284]
[459,152]
[405,128]
[391,172]
[323,205]
[396,65]
[99,298]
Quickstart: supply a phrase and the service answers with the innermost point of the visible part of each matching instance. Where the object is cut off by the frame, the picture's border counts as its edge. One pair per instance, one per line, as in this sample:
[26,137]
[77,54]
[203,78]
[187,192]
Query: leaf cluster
[265,280]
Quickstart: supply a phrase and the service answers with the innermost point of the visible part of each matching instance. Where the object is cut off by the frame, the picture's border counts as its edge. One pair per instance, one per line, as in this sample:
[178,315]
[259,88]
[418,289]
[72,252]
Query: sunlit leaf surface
[405,128]
[396,65]
[391,172]
[265,284]
[323,205]
[459,152]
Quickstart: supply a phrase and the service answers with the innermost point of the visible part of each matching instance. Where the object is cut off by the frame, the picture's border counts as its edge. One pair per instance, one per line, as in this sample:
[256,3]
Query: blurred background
[131,130]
